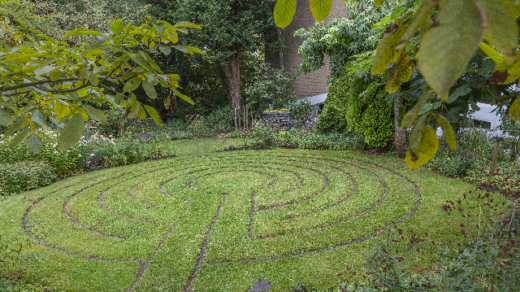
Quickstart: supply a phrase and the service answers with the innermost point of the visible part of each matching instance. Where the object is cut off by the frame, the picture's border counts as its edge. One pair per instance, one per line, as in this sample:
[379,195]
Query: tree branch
[14,87]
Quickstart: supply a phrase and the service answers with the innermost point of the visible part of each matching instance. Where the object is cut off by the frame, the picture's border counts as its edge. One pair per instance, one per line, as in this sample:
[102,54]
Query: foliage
[48,79]
[448,44]
[485,258]
[369,114]
[331,120]
[340,39]
[262,136]
[111,152]
[301,112]
[11,285]
[269,86]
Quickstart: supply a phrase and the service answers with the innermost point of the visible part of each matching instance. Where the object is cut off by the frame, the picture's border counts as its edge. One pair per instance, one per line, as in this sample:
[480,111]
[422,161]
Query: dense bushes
[331,120]
[22,176]
[368,112]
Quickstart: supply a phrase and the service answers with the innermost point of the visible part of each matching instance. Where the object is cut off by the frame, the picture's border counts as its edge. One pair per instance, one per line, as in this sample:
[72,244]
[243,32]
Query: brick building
[309,84]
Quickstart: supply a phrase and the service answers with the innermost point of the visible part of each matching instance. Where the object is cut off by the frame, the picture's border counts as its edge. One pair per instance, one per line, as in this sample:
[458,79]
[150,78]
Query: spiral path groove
[220,210]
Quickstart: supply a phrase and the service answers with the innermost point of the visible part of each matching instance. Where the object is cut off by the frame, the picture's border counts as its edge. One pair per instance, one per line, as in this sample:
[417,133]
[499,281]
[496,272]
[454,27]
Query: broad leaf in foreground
[71,132]
[426,150]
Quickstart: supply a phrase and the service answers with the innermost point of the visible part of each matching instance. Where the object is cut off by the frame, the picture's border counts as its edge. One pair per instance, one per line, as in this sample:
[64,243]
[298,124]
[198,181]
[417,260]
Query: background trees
[230,29]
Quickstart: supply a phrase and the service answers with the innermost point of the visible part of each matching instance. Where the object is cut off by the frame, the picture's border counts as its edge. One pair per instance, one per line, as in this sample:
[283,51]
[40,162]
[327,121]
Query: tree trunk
[400,138]
[232,72]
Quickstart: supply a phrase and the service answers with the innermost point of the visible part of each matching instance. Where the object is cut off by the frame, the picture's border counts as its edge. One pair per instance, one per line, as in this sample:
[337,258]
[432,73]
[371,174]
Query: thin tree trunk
[400,138]
[232,71]
[236,128]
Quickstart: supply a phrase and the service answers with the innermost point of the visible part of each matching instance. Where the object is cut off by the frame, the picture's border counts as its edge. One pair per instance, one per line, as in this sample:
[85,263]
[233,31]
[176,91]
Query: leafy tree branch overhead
[440,38]
[45,79]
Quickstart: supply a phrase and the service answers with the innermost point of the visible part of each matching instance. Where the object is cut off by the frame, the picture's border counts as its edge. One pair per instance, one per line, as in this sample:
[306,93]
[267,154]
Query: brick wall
[313,83]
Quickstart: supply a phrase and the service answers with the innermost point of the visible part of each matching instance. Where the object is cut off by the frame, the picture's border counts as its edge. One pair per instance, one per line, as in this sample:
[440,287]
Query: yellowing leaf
[415,135]
[55,74]
[82,92]
[71,132]
[141,113]
[447,129]
[514,110]
[385,51]
[61,110]
[153,114]
[187,24]
[450,44]
[82,112]
[284,11]
[492,53]
[399,73]
[412,114]
[320,9]
[426,150]
[502,29]
[182,96]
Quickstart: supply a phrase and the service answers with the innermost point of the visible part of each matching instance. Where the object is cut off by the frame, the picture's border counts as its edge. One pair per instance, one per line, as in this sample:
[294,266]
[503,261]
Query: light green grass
[291,242]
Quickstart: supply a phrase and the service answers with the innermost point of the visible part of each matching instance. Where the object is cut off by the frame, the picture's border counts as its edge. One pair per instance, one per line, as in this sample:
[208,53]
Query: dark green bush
[23,176]
[111,153]
[261,136]
[369,114]
[331,120]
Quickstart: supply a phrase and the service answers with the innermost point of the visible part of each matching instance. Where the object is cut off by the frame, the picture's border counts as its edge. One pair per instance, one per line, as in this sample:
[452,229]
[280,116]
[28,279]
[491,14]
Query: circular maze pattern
[168,225]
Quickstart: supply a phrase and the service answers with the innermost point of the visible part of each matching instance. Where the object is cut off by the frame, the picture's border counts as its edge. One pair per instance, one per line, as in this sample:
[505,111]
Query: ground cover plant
[218,221]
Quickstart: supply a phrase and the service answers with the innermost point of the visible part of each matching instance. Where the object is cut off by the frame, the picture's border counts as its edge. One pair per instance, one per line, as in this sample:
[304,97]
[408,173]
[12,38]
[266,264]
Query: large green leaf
[61,109]
[502,29]
[95,113]
[182,96]
[71,132]
[14,127]
[284,11]
[5,118]
[117,26]
[43,70]
[426,150]
[450,44]
[415,135]
[39,117]
[447,129]
[19,138]
[320,9]
[34,143]
[82,31]
[153,114]
[165,50]
[149,89]
[132,84]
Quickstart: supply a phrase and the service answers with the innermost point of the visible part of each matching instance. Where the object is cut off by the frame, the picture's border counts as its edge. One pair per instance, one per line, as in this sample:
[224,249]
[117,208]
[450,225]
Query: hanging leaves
[5,118]
[149,89]
[399,73]
[320,9]
[450,44]
[132,84]
[447,129]
[427,149]
[284,11]
[385,51]
[19,138]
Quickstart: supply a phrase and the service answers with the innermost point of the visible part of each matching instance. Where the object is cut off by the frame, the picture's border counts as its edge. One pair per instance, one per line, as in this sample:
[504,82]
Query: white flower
[80,155]
[68,150]
[55,152]
[92,154]
[1,142]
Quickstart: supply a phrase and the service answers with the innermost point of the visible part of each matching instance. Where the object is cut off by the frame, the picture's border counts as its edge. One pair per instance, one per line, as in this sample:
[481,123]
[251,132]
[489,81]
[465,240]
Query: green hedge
[22,176]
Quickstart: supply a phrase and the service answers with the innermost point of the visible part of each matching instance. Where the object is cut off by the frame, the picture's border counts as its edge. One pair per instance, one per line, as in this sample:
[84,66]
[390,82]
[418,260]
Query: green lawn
[218,221]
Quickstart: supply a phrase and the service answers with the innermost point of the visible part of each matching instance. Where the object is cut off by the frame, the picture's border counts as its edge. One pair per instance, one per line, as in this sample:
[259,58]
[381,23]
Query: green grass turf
[189,222]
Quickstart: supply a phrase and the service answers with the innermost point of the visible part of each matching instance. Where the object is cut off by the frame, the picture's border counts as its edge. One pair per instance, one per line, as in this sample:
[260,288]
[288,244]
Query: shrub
[22,176]
[485,258]
[261,136]
[368,112]
[114,152]
[221,120]
[331,120]
[301,111]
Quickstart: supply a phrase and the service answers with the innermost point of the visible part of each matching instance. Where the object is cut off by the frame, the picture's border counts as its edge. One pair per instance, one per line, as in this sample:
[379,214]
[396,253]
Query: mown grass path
[218,221]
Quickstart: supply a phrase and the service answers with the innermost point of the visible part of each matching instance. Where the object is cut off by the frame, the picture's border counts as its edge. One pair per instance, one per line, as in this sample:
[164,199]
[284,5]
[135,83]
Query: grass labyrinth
[220,221]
